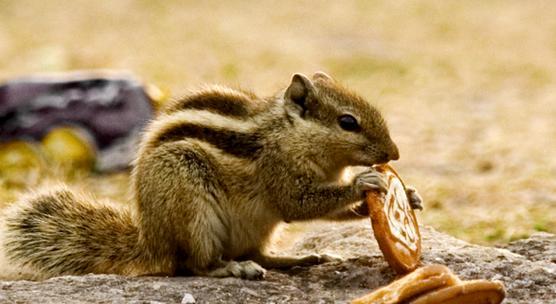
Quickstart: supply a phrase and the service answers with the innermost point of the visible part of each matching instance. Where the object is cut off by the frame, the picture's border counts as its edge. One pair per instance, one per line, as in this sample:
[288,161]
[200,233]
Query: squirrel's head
[342,126]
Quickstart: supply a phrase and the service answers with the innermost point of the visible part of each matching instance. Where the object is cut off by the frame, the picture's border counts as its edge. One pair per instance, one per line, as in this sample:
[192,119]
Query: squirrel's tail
[62,233]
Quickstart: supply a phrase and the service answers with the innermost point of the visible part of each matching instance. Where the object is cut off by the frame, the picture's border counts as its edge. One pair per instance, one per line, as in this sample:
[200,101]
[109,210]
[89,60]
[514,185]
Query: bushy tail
[62,233]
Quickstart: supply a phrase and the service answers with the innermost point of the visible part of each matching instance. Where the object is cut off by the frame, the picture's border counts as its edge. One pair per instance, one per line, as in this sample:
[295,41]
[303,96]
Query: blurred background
[467,87]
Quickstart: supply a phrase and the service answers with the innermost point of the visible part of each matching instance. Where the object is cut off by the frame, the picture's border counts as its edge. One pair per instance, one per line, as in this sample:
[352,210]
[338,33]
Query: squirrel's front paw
[370,180]
[415,200]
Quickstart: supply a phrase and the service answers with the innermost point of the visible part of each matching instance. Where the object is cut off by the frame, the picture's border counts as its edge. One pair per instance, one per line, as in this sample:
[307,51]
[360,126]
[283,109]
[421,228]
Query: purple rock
[110,107]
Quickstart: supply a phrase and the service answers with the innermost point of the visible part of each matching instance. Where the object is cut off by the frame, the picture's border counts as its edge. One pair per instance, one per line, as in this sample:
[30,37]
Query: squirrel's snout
[394,154]
[386,155]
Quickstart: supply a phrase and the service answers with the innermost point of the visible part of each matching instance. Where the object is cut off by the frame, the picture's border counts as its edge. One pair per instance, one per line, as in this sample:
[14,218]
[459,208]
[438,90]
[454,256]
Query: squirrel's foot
[245,270]
[415,200]
[315,259]
[286,262]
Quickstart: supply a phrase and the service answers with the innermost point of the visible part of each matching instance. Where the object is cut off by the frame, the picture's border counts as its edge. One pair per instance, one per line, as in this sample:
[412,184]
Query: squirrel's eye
[348,123]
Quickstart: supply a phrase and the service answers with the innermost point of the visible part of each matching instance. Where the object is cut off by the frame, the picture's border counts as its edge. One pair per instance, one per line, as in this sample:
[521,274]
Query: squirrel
[216,172]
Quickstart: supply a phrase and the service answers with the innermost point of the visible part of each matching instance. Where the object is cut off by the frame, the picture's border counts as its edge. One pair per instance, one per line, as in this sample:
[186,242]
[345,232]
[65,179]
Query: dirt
[528,278]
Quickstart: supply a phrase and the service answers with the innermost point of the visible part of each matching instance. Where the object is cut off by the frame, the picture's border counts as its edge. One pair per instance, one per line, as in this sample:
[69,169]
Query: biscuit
[394,223]
[419,282]
[476,292]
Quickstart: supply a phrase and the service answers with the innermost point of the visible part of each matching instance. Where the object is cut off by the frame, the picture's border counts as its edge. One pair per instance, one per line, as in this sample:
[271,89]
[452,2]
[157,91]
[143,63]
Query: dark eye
[348,123]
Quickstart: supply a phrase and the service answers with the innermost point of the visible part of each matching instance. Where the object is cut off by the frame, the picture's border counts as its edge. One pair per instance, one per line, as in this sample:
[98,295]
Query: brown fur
[215,174]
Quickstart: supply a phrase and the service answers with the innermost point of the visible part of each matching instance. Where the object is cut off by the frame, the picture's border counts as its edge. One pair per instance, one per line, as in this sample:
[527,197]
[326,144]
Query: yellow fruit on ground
[20,162]
[158,96]
[69,148]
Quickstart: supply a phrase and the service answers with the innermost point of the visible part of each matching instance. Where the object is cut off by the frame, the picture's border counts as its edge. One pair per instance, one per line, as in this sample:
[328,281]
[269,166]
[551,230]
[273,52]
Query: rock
[187,299]
[109,107]
[539,247]
[526,267]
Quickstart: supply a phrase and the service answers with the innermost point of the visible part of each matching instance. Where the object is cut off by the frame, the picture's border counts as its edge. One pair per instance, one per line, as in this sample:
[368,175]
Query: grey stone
[526,267]
[539,247]
[187,299]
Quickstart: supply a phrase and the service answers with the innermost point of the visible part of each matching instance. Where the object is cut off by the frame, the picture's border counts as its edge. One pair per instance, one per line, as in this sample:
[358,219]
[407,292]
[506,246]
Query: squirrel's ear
[321,75]
[300,91]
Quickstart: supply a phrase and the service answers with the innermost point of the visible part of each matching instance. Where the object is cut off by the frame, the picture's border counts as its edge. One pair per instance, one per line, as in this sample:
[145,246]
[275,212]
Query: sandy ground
[468,87]
[528,277]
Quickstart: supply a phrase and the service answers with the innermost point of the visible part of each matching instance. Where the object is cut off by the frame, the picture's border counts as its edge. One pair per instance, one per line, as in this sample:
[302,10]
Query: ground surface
[529,279]
[468,87]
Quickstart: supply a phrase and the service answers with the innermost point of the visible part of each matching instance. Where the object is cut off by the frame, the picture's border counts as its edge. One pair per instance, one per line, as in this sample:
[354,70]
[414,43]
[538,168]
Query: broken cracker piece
[419,282]
[466,292]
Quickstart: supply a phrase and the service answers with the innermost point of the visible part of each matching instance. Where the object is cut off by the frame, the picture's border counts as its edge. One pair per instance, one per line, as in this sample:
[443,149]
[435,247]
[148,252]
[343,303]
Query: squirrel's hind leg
[205,248]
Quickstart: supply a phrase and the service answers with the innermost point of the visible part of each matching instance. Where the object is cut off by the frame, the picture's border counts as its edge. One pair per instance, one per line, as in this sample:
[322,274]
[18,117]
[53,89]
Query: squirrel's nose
[394,153]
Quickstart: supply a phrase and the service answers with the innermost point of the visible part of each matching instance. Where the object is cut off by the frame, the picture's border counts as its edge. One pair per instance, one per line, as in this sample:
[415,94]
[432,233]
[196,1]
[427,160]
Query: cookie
[394,223]
[419,282]
[476,292]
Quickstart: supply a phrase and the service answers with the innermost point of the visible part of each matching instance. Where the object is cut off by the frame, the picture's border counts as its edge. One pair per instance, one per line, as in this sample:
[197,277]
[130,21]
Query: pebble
[187,299]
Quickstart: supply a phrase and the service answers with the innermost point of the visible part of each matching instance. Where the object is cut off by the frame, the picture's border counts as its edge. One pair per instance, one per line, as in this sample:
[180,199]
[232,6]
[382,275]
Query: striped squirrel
[216,172]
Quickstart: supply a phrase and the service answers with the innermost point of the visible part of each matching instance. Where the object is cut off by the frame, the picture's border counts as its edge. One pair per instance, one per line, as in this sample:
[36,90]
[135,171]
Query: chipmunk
[216,172]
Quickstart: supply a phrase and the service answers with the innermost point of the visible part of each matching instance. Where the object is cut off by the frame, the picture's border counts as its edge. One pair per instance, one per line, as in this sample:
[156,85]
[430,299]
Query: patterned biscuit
[394,224]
